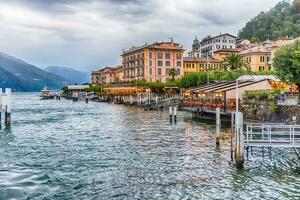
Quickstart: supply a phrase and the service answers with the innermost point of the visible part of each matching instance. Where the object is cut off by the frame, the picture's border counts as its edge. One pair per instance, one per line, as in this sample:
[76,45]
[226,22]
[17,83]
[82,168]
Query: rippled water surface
[65,150]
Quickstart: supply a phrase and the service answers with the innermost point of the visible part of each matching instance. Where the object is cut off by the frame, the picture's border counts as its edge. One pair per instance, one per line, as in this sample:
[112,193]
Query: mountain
[282,20]
[69,74]
[24,77]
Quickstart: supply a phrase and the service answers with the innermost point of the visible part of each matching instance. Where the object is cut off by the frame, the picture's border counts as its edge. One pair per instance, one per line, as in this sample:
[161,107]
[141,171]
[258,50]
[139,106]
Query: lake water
[65,150]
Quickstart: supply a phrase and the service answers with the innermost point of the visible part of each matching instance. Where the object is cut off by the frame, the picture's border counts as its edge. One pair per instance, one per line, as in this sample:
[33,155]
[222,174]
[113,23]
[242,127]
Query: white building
[196,49]
[210,44]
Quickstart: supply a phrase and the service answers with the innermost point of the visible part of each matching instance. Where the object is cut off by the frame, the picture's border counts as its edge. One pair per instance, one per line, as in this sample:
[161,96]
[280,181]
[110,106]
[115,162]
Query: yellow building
[196,65]
[223,53]
[153,62]
[259,58]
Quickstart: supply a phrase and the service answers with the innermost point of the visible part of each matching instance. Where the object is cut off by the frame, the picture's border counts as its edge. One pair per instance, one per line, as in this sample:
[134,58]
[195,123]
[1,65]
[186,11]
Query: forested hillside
[282,20]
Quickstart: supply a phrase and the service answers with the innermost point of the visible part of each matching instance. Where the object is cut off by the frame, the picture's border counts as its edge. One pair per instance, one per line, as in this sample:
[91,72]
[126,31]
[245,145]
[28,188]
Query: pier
[5,105]
[270,135]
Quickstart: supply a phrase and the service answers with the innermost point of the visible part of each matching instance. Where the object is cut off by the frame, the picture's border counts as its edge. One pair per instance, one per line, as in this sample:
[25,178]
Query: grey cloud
[89,33]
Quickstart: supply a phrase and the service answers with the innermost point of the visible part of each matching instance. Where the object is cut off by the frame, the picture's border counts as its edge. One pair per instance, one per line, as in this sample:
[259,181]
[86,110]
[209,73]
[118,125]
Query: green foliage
[97,89]
[287,63]
[273,107]
[172,73]
[65,90]
[257,94]
[234,61]
[282,20]
[196,79]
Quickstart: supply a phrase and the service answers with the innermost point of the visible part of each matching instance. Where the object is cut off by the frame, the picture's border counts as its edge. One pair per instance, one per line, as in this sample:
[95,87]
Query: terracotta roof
[156,45]
[226,50]
[195,59]
[256,50]
[210,38]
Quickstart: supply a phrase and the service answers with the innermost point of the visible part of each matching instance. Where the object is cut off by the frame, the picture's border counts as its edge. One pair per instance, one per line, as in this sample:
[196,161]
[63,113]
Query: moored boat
[46,94]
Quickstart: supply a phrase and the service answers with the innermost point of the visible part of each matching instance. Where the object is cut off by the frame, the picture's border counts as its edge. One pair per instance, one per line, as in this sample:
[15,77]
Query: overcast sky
[90,34]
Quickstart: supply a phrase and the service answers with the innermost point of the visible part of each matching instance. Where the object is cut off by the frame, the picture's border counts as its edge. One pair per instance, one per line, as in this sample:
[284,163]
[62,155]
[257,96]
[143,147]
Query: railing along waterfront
[272,135]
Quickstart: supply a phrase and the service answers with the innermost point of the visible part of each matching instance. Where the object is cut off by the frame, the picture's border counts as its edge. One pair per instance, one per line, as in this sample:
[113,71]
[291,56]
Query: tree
[234,61]
[173,73]
[287,63]
[282,20]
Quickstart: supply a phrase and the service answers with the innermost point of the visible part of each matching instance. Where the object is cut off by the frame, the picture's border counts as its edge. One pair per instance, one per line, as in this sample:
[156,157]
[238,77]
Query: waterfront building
[259,58]
[119,74]
[223,53]
[196,65]
[243,44]
[75,90]
[196,49]
[211,44]
[108,75]
[152,62]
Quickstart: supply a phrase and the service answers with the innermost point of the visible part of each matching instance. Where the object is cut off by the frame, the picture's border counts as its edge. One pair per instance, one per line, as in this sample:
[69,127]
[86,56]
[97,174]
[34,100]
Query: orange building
[259,58]
[195,65]
[108,75]
[223,53]
[153,62]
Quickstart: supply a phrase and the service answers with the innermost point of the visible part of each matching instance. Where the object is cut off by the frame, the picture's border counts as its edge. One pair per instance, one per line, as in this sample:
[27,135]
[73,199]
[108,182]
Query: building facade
[153,62]
[211,44]
[196,65]
[108,75]
[196,49]
[259,58]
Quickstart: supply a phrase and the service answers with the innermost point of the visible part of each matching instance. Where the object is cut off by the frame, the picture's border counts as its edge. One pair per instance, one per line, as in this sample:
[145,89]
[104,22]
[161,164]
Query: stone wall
[266,111]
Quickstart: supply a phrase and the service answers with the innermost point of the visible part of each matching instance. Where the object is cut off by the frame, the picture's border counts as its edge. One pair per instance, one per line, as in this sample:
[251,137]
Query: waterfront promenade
[73,150]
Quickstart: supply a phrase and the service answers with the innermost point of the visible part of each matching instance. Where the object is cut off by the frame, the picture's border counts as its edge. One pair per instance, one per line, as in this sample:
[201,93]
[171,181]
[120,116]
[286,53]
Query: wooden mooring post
[239,140]
[173,112]
[218,125]
[5,104]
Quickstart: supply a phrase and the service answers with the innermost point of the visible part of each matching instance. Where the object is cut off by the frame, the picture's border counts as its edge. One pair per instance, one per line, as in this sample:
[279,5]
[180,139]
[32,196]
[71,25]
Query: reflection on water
[65,150]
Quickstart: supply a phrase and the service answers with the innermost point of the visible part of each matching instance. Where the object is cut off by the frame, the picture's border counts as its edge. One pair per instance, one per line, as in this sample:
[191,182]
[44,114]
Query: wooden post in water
[86,98]
[239,140]
[0,106]
[170,114]
[218,124]
[231,137]
[175,114]
[8,106]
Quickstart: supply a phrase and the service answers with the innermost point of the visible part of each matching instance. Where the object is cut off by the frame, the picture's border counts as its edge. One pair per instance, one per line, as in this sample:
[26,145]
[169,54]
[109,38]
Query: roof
[77,87]
[196,59]
[227,50]
[156,45]
[256,50]
[258,77]
[210,38]
[225,86]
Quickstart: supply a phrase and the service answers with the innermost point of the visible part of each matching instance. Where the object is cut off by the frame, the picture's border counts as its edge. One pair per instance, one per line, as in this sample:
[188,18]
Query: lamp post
[237,95]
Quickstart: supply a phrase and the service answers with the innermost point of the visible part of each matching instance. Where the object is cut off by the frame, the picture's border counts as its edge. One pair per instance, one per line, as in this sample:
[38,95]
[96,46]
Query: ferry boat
[46,94]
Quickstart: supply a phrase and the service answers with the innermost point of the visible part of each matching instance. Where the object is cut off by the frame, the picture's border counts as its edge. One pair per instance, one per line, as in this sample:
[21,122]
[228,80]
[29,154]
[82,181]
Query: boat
[46,94]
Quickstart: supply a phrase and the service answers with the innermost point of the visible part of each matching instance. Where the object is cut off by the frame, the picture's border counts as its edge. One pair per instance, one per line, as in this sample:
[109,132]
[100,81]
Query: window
[159,55]
[159,71]
[168,64]
[159,63]
[218,46]
[168,56]
[168,71]
[261,68]
[150,63]
[230,46]
[268,58]
[178,56]
[224,46]
[262,59]
[178,72]
[150,55]
[178,64]
[202,66]
[150,71]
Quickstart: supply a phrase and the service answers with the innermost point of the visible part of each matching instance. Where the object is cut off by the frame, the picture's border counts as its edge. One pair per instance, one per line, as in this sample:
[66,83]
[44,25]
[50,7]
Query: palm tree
[234,61]
[173,73]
